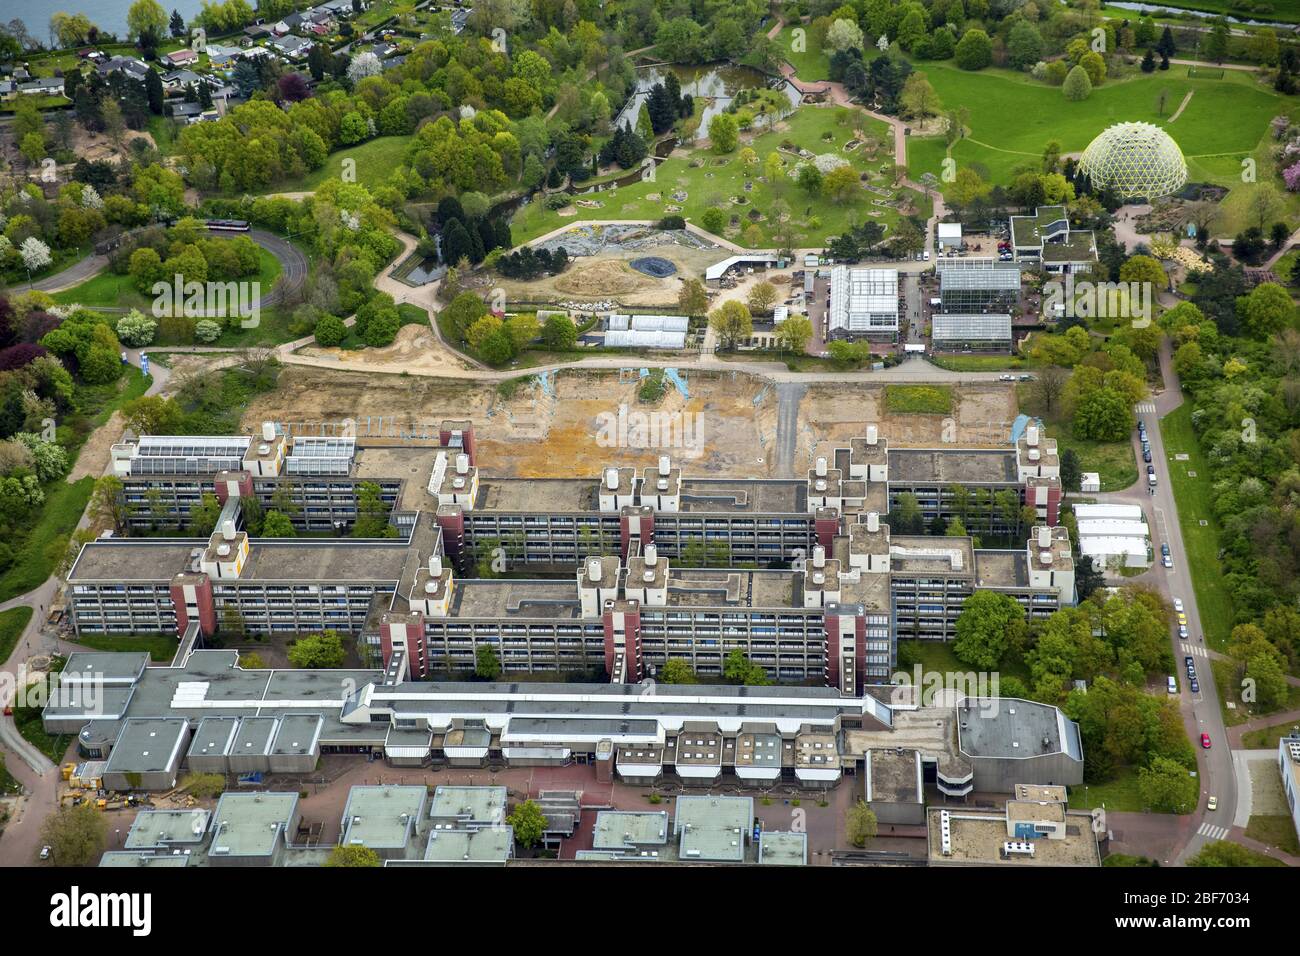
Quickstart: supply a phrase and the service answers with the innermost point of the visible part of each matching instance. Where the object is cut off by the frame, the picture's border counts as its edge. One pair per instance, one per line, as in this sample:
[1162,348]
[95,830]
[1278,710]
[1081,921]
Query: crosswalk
[1147,408]
[1195,651]
[1212,832]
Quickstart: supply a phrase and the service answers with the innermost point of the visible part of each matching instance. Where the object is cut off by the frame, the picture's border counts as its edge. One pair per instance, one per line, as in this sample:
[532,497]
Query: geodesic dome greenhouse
[1137,160]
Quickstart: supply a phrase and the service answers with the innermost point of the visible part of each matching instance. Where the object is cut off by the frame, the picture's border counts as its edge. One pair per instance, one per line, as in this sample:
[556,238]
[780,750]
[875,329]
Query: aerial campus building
[1046,238]
[643,565]
[1137,160]
[977,286]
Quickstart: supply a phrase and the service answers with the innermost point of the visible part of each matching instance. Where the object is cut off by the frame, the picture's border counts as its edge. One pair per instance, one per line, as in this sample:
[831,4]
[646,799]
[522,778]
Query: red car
[9,711]
[1205,741]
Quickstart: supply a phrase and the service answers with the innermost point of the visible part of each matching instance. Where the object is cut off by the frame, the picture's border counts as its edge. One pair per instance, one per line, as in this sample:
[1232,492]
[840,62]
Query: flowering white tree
[36,254]
[844,35]
[90,197]
[363,65]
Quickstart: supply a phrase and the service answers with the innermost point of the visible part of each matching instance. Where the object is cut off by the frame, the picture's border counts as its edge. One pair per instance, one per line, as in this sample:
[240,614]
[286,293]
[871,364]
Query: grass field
[979,363]
[160,647]
[919,399]
[12,624]
[1013,116]
[710,179]
[1267,738]
[8,785]
[1275,830]
[1201,541]
[28,722]
[1113,461]
[375,162]
[108,289]
[810,65]
[1118,794]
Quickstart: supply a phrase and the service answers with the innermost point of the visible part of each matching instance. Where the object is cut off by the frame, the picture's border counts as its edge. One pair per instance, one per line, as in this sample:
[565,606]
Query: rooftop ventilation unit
[228,529]
[611,479]
[821,467]
[651,554]
[872,435]
[268,431]
[665,466]
[873,521]
[1031,436]
[462,464]
[1044,537]
[594,571]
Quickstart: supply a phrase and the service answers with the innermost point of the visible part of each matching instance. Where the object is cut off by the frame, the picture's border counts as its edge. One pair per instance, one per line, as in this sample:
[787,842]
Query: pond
[1156,9]
[714,84]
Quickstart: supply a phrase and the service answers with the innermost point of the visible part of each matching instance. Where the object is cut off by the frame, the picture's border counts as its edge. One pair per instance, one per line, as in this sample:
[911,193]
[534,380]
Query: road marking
[1195,651]
[1147,408]
[1213,832]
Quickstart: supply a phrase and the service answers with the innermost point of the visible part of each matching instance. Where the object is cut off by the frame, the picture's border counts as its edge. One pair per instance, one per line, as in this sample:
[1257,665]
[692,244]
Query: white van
[1173,685]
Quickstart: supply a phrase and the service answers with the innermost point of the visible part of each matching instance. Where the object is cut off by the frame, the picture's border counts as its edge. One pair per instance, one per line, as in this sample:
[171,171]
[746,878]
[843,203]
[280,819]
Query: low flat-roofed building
[713,829]
[1043,793]
[296,746]
[979,838]
[135,858]
[863,302]
[983,332]
[147,755]
[1008,739]
[212,744]
[487,846]
[162,830]
[252,829]
[1288,760]
[383,818]
[623,834]
[782,848]
[104,668]
[894,785]
[1035,819]
[468,808]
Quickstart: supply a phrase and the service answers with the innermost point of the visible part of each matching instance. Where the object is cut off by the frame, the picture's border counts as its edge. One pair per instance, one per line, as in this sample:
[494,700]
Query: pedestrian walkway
[1195,650]
[1213,832]
[1146,408]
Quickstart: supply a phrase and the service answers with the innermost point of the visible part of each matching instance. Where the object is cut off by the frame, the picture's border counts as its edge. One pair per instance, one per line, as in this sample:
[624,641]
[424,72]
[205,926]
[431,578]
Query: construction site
[578,421]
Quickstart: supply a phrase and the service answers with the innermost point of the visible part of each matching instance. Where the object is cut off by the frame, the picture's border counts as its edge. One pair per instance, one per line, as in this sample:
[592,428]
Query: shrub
[205,330]
[330,331]
[136,329]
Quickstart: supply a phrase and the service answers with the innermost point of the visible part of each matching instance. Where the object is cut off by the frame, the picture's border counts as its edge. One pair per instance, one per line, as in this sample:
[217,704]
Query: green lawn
[710,179]
[1201,541]
[109,289]
[1113,461]
[1267,739]
[28,722]
[918,399]
[1276,830]
[1013,116]
[160,647]
[811,65]
[375,162]
[8,785]
[979,363]
[12,624]
[1118,794]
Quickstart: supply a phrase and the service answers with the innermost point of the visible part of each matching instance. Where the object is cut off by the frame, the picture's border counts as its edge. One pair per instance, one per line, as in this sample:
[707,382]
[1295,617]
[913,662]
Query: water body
[715,85]
[1153,10]
[108,15]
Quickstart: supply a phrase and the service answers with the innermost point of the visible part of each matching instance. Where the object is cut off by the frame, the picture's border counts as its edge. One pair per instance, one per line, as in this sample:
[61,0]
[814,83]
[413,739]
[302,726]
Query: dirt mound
[610,277]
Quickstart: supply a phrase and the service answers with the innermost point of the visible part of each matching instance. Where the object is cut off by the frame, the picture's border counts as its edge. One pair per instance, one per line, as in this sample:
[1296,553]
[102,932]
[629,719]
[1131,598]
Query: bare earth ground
[416,347]
[94,455]
[607,275]
[726,428]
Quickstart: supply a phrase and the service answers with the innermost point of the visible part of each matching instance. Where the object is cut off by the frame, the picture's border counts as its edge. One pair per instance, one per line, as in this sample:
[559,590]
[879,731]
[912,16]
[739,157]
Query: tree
[528,822]
[724,132]
[974,50]
[693,299]
[1144,269]
[1223,853]
[146,18]
[1166,46]
[1216,44]
[732,322]
[135,329]
[176,25]
[364,65]
[277,525]
[372,513]
[844,35]
[75,835]
[559,333]
[919,99]
[761,297]
[840,183]
[677,671]
[152,415]
[795,333]
[989,624]
[108,502]
[810,179]
[353,856]
[1166,786]
[1094,66]
[1149,62]
[1077,86]
[1103,415]
[860,825]
[330,331]
[35,254]
[1071,470]
[315,651]
[487,666]
[1024,45]
[739,669]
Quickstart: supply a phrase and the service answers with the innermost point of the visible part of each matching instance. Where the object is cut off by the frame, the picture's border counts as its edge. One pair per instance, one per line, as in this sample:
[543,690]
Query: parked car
[1196,688]
[1006,378]
[1182,619]
[1178,604]
[1189,662]
[1146,456]
[45,853]
[1182,631]
[1213,804]
[1205,741]
[1164,549]
[1168,562]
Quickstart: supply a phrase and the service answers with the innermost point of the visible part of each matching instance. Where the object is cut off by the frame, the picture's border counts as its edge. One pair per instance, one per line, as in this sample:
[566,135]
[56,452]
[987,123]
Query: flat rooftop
[782,848]
[505,597]
[1010,727]
[927,554]
[620,829]
[965,466]
[147,745]
[537,494]
[129,858]
[473,804]
[382,817]
[1001,569]
[894,777]
[713,828]
[106,666]
[977,838]
[163,828]
[757,496]
[487,845]
[120,560]
[251,824]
